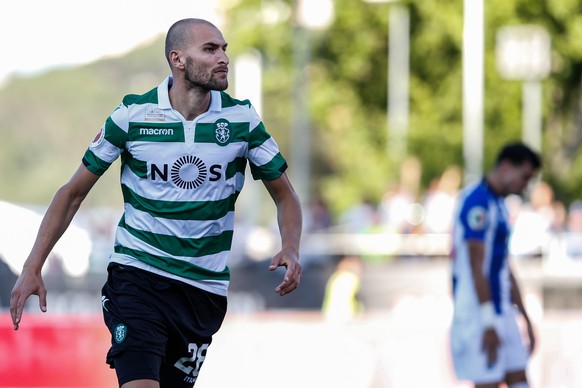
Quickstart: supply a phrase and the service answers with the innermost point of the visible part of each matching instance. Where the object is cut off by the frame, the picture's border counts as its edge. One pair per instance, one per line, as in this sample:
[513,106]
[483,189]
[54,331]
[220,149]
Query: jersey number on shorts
[197,359]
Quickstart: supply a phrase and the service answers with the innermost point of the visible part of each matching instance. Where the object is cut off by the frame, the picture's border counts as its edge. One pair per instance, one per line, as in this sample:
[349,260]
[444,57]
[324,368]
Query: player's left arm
[518,301]
[289,219]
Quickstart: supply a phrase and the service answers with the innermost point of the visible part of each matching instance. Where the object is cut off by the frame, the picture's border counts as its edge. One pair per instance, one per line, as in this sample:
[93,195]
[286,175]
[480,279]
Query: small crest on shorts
[120,333]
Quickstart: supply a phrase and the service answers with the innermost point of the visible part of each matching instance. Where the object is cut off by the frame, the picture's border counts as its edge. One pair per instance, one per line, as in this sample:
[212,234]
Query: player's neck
[493,184]
[190,103]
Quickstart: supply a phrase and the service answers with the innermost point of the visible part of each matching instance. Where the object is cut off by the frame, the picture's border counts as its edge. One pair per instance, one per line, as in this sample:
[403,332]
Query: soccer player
[486,343]
[184,147]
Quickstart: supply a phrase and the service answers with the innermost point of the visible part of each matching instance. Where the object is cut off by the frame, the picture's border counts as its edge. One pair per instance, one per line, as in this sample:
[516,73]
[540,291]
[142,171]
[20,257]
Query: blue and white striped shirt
[481,215]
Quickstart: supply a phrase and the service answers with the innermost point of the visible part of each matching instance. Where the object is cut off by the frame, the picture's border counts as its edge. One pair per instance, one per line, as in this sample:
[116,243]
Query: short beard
[195,78]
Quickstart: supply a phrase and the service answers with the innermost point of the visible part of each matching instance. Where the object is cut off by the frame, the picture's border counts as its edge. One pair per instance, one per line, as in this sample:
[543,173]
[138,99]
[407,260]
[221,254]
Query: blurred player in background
[486,342]
[184,147]
[341,301]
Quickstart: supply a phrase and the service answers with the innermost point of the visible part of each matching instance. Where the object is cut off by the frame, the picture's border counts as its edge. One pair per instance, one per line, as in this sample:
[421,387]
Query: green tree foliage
[48,121]
[348,75]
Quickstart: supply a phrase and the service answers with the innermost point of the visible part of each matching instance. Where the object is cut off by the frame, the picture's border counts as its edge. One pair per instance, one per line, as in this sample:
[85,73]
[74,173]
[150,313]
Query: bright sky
[39,34]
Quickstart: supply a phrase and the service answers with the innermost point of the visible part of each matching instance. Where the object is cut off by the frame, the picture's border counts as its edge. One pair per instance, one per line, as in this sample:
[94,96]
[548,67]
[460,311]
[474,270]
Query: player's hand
[28,284]
[292,276]
[490,345]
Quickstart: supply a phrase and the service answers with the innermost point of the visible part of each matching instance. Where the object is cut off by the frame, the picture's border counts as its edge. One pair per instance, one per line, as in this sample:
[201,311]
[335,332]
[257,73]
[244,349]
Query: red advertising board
[55,351]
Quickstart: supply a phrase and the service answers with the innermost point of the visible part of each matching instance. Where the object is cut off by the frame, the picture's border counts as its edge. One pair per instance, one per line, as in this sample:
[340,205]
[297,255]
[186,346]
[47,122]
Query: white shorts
[469,359]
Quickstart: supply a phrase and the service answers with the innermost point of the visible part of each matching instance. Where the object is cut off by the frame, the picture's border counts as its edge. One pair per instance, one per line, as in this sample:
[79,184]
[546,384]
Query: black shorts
[160,327]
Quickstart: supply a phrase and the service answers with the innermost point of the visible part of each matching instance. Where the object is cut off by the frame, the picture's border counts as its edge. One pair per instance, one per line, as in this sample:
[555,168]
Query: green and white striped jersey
[180,180]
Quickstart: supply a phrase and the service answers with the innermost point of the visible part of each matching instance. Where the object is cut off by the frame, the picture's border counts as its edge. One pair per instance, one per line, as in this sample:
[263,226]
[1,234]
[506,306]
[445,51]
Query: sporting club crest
[222,131]
[120,333]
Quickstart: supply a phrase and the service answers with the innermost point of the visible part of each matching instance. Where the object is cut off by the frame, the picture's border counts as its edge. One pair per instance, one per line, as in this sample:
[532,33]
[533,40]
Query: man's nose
[224,58]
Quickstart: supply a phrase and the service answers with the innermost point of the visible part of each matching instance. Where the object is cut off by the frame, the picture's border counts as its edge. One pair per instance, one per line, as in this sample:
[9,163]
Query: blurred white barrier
[18,229]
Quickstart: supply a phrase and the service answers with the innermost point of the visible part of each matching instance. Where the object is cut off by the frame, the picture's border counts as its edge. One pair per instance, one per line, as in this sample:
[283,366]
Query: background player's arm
[517,299]
[59,215]
[490,341]
[477,255]
[289,219]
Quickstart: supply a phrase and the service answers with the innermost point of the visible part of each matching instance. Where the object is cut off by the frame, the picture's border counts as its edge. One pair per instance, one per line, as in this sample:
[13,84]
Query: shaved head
[180,33]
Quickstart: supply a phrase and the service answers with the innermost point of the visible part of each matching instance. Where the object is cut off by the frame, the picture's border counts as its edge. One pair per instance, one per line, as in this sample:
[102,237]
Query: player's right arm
[59,215]
[490,341]
[477,255]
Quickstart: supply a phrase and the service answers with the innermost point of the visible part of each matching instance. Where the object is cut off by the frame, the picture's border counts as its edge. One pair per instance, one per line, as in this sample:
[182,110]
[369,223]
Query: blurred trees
[47,121]
[348,75]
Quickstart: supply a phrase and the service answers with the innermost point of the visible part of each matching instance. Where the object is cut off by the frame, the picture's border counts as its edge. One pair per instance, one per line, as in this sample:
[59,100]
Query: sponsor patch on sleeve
[477,218]
[98,138]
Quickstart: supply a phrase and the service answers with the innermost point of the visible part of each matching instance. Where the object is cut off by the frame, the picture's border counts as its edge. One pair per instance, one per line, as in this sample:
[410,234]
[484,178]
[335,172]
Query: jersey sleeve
[109,142]
[474,216]
[265,159]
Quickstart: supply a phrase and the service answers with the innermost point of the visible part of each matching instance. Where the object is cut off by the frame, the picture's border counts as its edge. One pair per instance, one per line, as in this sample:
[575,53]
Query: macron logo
[156,131]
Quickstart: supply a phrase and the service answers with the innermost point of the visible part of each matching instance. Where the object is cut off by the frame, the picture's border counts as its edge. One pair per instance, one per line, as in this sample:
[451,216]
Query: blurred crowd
[541,224]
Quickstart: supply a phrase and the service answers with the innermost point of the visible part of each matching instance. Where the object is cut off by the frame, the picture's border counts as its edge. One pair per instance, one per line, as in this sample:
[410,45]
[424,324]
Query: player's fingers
[494,356]
[15,309]
[490,360]
[282,288]
[489,348]
[275,262]
[42,300]
[286,287]
[291,280]
[494,345]
[490,353]
[297,275]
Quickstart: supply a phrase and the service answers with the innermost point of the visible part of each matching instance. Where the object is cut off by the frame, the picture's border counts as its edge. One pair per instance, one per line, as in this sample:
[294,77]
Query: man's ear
[175,58]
